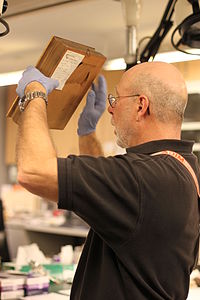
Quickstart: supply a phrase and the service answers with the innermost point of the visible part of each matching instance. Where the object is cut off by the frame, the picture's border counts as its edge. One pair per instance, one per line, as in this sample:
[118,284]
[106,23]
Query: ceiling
[96,23]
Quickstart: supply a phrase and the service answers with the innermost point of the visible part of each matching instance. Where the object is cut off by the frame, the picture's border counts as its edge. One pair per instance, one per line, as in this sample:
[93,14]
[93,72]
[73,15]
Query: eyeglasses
[113,99]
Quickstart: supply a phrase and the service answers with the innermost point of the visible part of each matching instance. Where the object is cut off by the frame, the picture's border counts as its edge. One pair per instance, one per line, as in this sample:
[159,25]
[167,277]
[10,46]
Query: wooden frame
[65,58]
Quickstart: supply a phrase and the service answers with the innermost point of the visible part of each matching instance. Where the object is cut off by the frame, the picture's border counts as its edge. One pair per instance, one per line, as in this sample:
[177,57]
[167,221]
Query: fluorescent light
[177,56]
[10,78]
[169,57]
[188,126]
[115,64]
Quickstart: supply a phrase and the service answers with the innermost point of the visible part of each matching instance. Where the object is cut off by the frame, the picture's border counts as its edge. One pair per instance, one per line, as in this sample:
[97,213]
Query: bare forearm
[36,157]
[89,145]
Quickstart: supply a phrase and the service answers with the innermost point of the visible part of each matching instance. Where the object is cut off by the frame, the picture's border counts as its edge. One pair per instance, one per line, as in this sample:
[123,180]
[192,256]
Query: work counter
[49,238]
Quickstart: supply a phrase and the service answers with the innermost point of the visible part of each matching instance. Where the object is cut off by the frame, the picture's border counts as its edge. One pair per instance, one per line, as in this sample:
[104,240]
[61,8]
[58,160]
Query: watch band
[23,102]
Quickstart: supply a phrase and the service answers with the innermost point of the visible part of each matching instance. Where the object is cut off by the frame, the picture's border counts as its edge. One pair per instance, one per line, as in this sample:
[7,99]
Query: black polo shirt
[143,213]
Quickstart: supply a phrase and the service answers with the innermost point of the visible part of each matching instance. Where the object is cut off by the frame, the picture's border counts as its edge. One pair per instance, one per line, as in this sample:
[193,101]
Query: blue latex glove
[33,74]
[94,108]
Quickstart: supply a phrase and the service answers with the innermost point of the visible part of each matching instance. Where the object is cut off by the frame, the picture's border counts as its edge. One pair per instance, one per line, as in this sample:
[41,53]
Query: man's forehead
[126,81]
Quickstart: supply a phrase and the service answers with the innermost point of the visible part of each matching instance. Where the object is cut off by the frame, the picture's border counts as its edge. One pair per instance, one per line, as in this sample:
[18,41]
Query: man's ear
[143,106]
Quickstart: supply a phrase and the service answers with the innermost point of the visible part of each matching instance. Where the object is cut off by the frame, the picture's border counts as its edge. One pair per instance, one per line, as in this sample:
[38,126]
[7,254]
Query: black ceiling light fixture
[3,7]
[188,30]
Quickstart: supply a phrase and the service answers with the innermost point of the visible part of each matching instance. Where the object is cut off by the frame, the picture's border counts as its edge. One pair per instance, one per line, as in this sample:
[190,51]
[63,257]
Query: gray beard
[120,142]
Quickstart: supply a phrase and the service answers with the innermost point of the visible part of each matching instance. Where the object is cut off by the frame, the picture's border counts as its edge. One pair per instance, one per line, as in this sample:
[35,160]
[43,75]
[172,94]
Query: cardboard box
[75,66]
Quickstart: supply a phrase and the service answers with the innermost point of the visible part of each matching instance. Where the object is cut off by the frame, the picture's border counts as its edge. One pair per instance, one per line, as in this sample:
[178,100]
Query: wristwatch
[23,102]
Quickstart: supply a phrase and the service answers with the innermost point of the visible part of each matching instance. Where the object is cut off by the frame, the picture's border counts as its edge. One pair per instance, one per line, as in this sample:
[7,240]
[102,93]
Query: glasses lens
[111,100]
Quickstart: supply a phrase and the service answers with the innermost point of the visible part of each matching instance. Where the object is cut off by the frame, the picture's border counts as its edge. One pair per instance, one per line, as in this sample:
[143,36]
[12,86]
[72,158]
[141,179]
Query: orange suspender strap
[184,162]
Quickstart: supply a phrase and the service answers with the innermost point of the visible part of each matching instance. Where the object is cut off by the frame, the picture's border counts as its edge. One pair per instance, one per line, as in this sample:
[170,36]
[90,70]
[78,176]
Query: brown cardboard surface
[63,103]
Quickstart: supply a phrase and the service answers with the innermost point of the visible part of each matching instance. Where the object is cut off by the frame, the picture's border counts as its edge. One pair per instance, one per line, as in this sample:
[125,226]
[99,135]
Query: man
[142,206]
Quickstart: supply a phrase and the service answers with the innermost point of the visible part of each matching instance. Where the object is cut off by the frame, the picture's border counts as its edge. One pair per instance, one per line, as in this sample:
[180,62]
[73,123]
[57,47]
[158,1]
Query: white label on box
[66,67]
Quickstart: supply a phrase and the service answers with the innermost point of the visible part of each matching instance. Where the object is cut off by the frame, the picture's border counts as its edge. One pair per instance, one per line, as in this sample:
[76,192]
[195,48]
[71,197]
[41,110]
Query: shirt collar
[159,145]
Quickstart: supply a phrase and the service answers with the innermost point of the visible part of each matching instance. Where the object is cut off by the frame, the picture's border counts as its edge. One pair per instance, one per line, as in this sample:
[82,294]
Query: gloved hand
[94,108]
[33,74]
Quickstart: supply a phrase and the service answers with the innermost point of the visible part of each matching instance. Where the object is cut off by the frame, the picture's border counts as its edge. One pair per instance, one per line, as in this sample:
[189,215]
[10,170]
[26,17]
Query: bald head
[163,84]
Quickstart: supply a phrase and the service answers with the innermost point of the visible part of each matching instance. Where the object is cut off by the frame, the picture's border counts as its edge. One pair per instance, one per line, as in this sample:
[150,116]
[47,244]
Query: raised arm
[93,110]
[36,157]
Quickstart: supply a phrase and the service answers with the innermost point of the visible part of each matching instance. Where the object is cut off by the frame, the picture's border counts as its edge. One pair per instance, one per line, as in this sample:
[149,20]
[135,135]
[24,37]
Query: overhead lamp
[10,78]
[188,30]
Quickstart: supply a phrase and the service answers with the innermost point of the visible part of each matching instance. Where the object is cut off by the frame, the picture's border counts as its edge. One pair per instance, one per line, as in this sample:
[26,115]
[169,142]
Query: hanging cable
[3,8]
[7,29]
[165,25]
